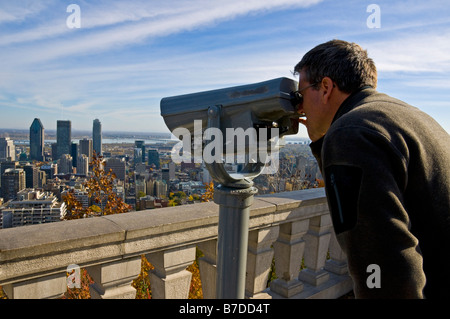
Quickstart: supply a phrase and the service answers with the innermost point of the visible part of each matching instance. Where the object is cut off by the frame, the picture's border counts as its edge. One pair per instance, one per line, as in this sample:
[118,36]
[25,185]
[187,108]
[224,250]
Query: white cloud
[18,11]
[413,52]
[150,19]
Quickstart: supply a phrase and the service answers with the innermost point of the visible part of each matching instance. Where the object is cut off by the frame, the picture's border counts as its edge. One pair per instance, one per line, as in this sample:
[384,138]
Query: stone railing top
[49,248]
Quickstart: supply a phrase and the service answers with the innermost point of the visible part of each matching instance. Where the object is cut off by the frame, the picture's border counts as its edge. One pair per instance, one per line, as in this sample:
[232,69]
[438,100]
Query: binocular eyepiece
[296,99]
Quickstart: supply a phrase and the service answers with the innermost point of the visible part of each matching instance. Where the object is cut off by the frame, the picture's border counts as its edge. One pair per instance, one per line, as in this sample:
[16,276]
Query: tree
[74,209]
[100,189]
[209,193]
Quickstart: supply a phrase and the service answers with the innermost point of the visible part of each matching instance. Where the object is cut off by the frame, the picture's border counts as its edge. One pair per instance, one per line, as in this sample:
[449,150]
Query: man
[386,167]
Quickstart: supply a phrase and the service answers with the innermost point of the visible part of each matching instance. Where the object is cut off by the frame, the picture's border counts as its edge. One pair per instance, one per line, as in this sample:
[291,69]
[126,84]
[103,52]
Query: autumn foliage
[100,188]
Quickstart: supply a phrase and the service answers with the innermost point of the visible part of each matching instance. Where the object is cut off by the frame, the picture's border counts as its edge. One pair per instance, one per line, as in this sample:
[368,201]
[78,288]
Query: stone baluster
[170,279]
[289,249]
[208,268]
[337,263]
[47,287]
[317,241]
[259,260]
[113,280]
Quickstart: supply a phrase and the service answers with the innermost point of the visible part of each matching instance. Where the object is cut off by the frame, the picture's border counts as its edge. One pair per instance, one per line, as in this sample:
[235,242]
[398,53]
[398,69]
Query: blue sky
[127,55]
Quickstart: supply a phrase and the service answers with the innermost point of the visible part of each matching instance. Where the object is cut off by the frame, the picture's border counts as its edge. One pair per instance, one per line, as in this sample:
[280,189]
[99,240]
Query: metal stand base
[232,239]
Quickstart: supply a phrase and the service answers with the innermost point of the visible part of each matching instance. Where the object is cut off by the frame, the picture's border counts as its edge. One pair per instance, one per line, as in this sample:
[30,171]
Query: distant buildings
[66,169]
[31,207]
[97,137]
[37,140]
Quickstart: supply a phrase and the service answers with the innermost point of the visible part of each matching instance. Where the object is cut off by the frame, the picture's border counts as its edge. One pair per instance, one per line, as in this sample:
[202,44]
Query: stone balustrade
[291,228]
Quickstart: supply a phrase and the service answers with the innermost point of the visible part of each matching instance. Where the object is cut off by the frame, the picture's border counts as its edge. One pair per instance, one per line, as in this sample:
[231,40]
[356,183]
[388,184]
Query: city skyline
[126,56]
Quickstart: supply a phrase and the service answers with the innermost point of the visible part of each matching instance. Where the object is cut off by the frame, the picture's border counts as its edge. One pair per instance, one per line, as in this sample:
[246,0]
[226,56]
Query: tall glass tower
[37,140]
[63,138]
[97,137]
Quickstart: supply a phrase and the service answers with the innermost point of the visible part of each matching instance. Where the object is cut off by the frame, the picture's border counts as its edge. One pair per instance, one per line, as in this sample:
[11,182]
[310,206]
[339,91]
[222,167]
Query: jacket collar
[353,100]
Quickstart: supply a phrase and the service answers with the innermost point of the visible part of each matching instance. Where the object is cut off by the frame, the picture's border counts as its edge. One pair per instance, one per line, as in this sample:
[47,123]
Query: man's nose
[300,110]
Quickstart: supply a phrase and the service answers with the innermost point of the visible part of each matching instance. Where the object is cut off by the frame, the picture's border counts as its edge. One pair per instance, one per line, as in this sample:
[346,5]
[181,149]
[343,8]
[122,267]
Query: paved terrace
[286,226]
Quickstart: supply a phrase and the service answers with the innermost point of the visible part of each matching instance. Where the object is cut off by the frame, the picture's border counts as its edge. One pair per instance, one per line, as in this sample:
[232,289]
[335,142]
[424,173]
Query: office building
[37,140]
[141,145]
[137,159]
[65,164]
[32,207]
[4,165]
[85,147]
[54,147]
[31,176]
[157,188]
[13,181]
[63,138]
[50,170]
[74,154]
[7,149]
[153,158]
[117,166]
[42,178]
[97,137]
[83,165]
[168,172]
[140,187]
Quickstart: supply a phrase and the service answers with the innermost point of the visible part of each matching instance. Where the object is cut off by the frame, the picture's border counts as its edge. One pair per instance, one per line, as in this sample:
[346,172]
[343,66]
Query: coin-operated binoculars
[236,133]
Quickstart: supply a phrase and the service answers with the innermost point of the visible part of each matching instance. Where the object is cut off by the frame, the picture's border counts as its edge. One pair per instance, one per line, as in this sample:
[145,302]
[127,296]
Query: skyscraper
[85,147]
[97,137]
[7,149]
[117,166]
[31,176]
[153,158]
[13,181]
[65,164]
[74,154]
[63,138]
[141,145]
[37,140]
[83,165]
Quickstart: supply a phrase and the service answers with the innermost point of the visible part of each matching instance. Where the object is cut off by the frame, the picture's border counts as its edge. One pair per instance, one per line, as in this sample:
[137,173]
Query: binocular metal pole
[232,240]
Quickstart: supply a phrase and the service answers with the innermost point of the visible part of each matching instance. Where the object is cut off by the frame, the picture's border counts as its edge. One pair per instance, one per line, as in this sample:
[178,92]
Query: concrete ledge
[37,250]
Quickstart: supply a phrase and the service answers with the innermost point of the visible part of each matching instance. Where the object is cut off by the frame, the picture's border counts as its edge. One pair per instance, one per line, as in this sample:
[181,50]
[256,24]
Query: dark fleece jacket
[386,167]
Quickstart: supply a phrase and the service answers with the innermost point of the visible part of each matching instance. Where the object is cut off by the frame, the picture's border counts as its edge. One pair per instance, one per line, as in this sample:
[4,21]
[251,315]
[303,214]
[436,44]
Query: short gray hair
[345,63]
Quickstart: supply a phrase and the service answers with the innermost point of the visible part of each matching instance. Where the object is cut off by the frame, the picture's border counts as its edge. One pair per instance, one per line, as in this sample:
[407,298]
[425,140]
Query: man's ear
[327,86]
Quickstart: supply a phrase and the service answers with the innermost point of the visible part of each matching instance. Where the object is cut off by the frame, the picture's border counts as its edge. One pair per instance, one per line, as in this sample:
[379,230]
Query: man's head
[347,64]
[329,73]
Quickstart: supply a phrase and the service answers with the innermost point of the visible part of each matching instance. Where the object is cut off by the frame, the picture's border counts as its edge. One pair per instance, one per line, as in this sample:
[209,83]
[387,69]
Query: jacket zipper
[338,200]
